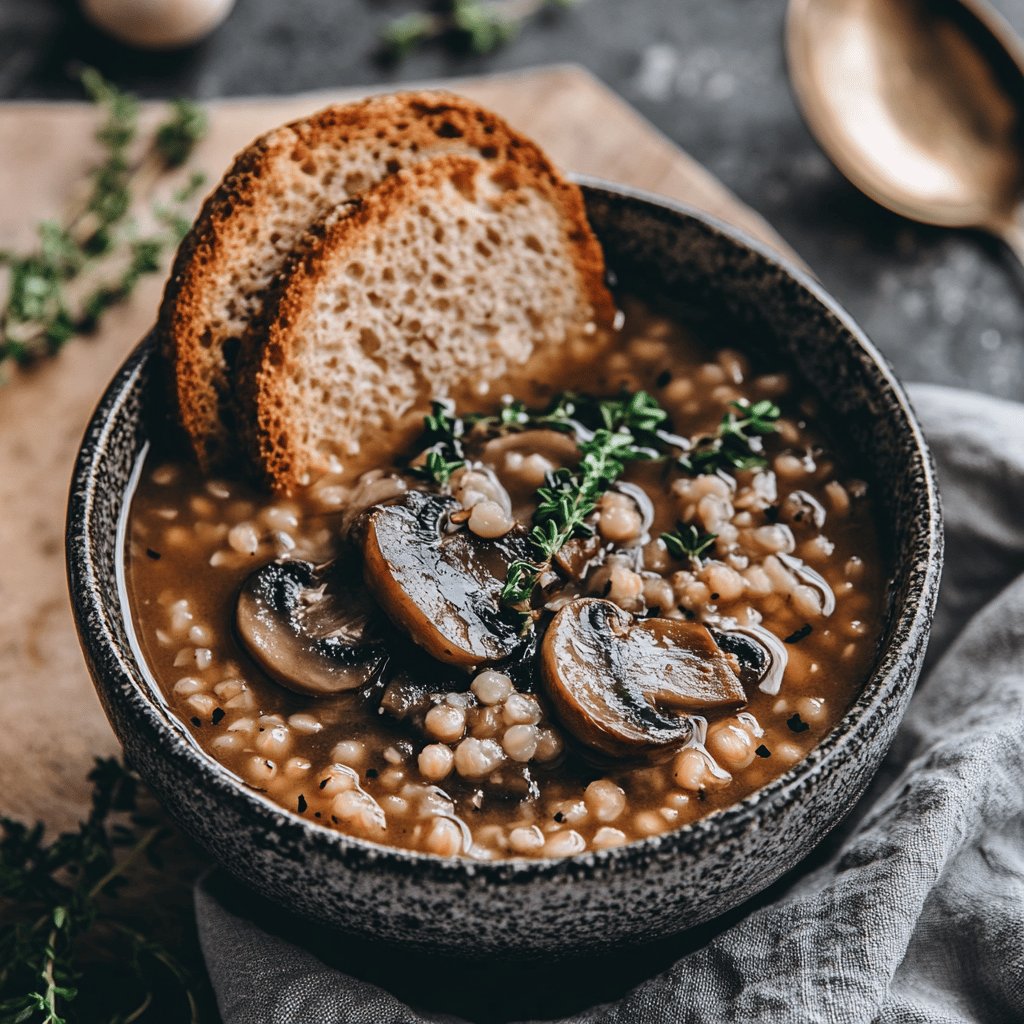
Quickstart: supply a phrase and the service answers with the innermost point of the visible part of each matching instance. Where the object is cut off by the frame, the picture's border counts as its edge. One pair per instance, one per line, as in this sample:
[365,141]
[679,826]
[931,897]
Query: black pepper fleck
[323,782]
[317,814]
[217,716]
[559,817]
[372,773]
[195,721]
[797,724]
[763,751]
[702,794]
[154,554]
[771,513]
[714,597]
[803,631]
[302,805]
[663,378]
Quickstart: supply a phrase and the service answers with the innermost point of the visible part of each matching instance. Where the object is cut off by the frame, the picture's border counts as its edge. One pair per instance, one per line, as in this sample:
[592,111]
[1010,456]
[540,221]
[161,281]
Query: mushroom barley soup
[561,623]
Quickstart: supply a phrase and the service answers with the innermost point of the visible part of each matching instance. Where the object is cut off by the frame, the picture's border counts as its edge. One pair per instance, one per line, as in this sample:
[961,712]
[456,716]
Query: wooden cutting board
[51,723]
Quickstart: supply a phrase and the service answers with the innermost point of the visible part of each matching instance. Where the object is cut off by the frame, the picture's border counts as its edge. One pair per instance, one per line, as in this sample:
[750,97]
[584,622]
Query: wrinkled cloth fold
[912,911]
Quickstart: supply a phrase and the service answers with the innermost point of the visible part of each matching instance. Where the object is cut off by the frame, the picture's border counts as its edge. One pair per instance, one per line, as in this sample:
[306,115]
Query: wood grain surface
[51,723]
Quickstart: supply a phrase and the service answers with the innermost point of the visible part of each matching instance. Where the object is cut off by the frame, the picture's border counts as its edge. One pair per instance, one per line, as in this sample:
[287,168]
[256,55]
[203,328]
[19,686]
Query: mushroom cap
[625,686]
[313,631]
[441,587]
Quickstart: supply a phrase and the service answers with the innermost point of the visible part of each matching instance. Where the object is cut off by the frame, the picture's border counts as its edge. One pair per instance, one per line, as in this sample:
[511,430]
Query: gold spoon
[920,103]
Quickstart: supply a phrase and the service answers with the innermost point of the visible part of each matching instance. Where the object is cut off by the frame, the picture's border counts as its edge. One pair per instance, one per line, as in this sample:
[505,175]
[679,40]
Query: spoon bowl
[919,104]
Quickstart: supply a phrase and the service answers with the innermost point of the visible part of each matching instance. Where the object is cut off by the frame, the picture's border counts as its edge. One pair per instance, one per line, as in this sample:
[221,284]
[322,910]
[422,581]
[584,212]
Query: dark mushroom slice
[625,687]
[441,586]
[578,555]
[313,631]
[413,683]
[752,658]
[760,653]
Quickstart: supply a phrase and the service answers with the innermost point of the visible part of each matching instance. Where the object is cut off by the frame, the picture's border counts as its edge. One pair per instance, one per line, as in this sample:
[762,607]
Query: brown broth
[192,541]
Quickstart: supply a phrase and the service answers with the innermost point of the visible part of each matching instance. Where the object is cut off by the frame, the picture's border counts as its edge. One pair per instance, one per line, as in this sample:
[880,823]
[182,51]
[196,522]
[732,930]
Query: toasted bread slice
[275,190]
[446,276]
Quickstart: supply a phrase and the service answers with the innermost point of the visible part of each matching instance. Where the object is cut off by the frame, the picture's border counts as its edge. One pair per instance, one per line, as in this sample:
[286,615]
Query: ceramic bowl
[637,892]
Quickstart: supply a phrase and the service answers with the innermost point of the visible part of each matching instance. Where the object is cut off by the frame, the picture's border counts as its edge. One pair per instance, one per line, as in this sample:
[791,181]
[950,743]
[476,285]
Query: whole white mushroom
[157,24]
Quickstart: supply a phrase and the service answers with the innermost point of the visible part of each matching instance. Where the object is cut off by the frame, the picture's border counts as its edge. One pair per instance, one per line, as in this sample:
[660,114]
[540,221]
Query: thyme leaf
[736,445]
[570,496]
[686,541]
[94,259]
[480,26]
[54,902]
[610,433]
[442,436]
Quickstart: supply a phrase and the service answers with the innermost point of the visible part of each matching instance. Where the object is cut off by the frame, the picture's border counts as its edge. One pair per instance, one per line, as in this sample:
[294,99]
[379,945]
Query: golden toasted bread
[276,189]
[446,275]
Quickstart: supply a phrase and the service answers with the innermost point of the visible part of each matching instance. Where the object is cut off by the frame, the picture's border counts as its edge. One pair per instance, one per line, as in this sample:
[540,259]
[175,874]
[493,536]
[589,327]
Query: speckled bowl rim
[907,624]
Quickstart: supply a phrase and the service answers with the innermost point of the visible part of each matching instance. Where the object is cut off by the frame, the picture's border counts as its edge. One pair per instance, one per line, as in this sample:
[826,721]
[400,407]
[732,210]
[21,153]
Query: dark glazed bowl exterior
[637,892]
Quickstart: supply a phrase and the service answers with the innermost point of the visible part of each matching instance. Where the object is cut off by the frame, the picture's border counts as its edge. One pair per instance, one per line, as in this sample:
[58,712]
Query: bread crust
[407,127]
[274,439]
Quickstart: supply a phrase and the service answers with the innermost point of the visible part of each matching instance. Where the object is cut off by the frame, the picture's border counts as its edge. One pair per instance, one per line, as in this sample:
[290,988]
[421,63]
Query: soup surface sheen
[468,763]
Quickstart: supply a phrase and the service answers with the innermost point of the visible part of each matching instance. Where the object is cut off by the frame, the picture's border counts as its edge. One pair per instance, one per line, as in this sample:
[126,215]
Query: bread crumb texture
[290,178]
[447,274]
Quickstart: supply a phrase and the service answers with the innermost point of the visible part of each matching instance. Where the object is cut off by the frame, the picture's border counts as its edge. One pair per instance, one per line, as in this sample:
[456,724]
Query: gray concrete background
[944,306]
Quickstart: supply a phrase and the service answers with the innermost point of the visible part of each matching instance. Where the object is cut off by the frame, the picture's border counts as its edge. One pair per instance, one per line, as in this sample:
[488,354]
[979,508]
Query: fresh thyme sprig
[442,436]
[514,416]
[736,445]
[481,26]
[609,433]
[94,259]
[569,496]
[686,541]
[55,910]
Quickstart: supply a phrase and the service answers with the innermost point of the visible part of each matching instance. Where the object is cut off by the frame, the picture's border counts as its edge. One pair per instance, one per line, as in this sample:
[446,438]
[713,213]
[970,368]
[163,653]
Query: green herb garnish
[736,445]
[57,916]
[686,541]
[442,435]
[480,26]
[93,260]
[610,433]
[569,496]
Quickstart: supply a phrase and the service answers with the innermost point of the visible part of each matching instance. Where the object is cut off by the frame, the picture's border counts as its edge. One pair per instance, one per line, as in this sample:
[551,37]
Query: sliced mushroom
[312,631]
[626,686]
[753,658]
[577,556]
[441,587]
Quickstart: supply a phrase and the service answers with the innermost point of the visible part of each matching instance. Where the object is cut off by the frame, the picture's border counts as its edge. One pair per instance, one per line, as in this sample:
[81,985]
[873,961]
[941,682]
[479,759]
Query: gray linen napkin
[912,911]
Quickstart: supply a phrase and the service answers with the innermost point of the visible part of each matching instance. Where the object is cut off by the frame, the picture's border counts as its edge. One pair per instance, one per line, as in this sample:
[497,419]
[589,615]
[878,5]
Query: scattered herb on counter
[736,445]
[480,26]
[94,259]
[55,902]
[686,541]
